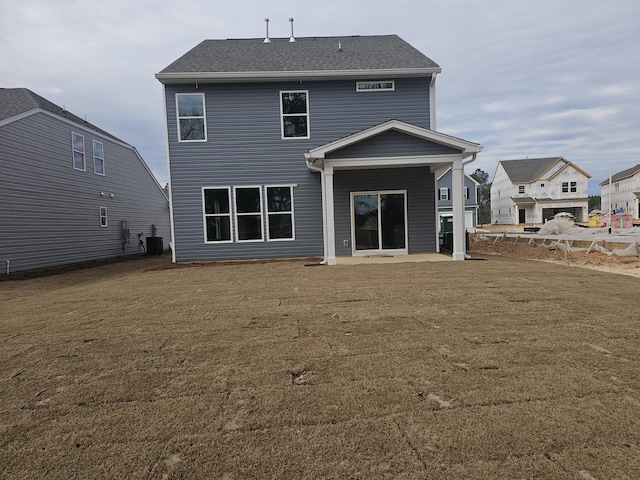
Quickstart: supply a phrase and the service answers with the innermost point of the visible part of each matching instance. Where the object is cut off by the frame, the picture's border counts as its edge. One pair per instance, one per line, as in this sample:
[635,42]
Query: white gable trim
[467,148]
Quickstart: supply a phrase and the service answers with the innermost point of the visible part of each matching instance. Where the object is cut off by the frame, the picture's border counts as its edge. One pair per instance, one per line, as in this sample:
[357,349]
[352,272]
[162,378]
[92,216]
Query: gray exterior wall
[470,204]
[49,212]
[418,182]
[244,148]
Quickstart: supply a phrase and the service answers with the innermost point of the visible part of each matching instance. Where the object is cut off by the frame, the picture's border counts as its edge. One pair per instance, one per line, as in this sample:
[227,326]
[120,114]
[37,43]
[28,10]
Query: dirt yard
[592,260]
[495,368]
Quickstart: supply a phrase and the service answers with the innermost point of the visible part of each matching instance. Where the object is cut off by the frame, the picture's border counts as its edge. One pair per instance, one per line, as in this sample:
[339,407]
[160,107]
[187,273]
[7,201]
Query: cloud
[524,78]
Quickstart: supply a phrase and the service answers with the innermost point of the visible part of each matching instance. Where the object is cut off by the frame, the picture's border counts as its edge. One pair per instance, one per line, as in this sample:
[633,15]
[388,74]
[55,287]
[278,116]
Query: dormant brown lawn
[501,369]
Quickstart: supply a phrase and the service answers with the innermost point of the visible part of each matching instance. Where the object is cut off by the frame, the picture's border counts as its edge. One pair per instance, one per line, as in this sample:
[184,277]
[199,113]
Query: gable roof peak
[529,170]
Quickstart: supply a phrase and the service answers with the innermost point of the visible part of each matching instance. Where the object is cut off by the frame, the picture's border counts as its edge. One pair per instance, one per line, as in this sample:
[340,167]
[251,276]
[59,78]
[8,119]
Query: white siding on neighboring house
[625,194]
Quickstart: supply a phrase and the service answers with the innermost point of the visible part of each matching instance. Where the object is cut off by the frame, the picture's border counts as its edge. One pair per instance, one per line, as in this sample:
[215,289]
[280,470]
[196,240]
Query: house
[315,146]
[67,186]
[625,197]
[533,190]
[445,202]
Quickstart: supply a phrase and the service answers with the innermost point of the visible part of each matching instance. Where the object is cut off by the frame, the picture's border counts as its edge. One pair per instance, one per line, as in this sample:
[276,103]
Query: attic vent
[292,39]
[266,38]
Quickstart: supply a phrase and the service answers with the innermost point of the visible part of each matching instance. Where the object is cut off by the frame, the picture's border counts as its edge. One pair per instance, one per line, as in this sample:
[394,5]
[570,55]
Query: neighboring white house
[626,192]
[533,190]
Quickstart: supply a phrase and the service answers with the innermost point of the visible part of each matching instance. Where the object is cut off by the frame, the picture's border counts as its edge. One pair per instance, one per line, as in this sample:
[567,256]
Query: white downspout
[432,103]
[473,159]
[324,210]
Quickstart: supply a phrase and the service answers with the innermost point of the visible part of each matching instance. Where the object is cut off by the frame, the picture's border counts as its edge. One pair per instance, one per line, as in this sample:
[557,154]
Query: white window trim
[293,217]
[444,190]
[236,214]
[73,151]
[205,215]
[204,117]
[105,217]
[98,158]
[466,193]
[359,86]
[282,115]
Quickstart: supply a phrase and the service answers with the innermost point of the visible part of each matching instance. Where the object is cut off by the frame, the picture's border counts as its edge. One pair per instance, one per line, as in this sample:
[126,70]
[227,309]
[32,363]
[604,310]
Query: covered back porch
[379,190]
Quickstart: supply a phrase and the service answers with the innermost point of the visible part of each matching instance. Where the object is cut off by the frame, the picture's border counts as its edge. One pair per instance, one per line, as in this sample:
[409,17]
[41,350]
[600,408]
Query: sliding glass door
[378,222]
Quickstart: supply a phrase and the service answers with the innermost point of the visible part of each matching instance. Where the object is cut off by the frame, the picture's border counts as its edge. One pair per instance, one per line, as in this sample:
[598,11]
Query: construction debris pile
[564,234]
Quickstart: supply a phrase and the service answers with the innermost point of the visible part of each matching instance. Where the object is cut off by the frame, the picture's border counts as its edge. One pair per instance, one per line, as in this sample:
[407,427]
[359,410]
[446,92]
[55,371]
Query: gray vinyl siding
[445,182]
[244,148]
[49,212]
[417,181]
[392,143]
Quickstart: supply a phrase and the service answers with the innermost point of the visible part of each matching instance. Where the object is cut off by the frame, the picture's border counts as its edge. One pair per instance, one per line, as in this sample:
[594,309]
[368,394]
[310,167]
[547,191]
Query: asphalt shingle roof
[14,101]
[377,52]
[629,172]
[528,170]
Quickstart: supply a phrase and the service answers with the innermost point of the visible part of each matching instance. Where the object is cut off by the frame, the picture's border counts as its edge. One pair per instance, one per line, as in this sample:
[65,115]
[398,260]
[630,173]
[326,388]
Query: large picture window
[295,114]
[192,125]
[98,158]
[217,214]
[280,213]
[248,202]
[77,143]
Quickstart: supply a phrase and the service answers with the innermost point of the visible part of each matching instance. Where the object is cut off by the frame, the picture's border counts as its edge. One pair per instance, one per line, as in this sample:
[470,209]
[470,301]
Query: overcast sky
[524,78]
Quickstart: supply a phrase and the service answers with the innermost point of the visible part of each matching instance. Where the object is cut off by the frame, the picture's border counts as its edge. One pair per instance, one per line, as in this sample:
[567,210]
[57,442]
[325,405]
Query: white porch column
[457,204]
[330,216]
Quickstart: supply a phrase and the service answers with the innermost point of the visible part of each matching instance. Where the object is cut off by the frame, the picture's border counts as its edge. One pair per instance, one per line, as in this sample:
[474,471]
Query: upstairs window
[280,213]
[444,194]
[294,107]
[192,125]
[376,86]
[248,214]
[520,189]
[565,187]
[466,193]
[77,142]
[217,214]
[98,158]
[573,187]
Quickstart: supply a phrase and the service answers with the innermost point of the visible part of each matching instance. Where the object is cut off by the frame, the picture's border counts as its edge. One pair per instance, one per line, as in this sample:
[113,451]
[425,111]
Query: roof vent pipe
[266,38]
[292,39]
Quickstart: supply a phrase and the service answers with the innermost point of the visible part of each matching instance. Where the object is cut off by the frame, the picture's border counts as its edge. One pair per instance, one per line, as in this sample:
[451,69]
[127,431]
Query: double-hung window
[103,217]
[294,107]
[77,143]
[248,203]
[444,193]
[217,214]
[466,193]
[573,187]
[192,125]
[565,187]
[521,189]
[98,158]
[280,213]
